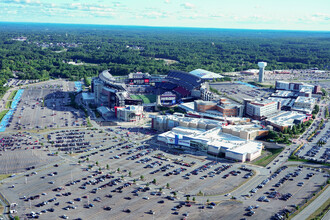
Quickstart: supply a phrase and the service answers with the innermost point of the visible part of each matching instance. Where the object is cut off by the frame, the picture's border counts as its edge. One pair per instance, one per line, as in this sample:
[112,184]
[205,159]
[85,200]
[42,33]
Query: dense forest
[46,50]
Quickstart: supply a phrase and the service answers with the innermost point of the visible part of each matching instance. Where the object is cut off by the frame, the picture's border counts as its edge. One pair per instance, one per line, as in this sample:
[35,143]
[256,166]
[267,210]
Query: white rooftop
[248,127]
[204,74]
[213,137]
[285,118]
[303,99]
[249,147]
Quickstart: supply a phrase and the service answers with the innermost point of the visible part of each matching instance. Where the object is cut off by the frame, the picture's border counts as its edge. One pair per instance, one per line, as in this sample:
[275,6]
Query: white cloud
[188,5]
[155,14]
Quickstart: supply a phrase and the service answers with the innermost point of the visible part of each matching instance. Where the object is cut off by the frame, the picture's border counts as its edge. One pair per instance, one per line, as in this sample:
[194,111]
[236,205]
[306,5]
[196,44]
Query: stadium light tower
[262,66]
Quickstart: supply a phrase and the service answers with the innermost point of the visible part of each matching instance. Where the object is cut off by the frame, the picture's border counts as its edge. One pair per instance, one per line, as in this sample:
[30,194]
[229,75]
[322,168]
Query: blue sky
[248,14]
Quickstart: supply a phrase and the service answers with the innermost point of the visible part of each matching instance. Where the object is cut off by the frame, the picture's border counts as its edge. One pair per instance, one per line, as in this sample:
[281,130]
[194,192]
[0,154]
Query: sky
[238,14]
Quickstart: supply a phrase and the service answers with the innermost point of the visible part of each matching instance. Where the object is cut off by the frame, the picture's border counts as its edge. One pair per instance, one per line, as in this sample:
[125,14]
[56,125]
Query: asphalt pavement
[311,208]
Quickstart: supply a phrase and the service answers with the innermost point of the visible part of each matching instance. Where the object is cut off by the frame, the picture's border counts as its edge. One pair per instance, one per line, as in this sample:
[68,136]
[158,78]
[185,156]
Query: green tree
[107,166]
[272,134]
[285,130]
[294,129]
[326,114]
[299,126]
[154,181]
[142,177]
[194,199]
[118,170]
[167,185]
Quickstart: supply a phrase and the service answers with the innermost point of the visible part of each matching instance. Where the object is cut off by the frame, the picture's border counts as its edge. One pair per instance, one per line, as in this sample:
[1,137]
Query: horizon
[237,14]
[165,27]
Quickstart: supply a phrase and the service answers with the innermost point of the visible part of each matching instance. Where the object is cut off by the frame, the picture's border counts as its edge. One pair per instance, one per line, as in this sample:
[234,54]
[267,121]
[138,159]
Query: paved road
[326,216]
[5,210]
[311,208]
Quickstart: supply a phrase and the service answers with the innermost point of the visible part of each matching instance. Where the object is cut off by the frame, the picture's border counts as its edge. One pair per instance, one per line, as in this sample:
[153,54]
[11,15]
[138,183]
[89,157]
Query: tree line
[45,53]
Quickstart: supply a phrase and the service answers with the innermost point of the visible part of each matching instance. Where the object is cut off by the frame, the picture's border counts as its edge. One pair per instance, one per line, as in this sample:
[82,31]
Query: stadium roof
[204,74]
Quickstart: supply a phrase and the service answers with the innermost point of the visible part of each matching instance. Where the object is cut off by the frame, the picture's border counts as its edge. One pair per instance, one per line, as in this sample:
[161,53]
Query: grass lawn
[264,161]
[3,113]
[145,98]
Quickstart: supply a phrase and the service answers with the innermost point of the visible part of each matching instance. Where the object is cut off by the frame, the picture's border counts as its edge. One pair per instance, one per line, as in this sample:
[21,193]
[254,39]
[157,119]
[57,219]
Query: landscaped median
[10,99]
[12,95]
[292,156]
[3,113]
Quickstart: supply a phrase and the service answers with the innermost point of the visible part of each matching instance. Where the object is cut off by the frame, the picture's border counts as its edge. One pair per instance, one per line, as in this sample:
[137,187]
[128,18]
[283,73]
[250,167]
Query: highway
[311,208]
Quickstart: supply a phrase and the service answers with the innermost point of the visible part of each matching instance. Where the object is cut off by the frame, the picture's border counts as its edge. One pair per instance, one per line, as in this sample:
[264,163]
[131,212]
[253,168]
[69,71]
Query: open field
[272,154]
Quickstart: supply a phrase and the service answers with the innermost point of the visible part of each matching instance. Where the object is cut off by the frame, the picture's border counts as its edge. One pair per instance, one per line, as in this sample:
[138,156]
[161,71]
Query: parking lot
[75,172]
[180,175]
[47,106]
[120,173]
[318,148]
[239,91]
[284,190]
[20,151]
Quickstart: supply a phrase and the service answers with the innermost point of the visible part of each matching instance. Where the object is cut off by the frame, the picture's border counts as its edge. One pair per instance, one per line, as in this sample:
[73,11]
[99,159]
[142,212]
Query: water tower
[262,66]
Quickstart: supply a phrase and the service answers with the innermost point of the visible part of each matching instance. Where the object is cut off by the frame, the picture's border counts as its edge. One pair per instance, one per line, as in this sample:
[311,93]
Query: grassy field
[3,113]
[145,98]
[272,153]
